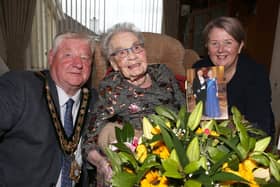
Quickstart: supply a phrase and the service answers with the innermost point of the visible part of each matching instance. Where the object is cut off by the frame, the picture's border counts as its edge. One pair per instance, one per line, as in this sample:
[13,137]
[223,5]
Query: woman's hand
[104,169]
[102,165]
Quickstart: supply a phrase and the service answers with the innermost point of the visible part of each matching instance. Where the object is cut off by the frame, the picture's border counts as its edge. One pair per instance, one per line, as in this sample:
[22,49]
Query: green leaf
[223,130]
[252,143]
[124,179]
[115,159]
[182,118]
[232,146]
[224,176]
[262,144]
[236,114]
[217,165]
[151,158]
[192,183]
[125,157]
[215,153]
[171,168]
[195,116]
[122,147]
[242,151]
[275,169]
[243,135]
[118,134]
[179,149]
[176,143]
[166,112]
[192,167]
[206,180]
[203,162]
[271,184]
[128,132]
[125,134]
[158,120]
[224,123]
[174,156]
[166,137]
[260,159]
[209,125]
[193,150]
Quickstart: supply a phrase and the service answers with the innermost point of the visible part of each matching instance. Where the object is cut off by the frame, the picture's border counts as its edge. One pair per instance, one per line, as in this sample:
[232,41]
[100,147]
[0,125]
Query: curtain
[16,18]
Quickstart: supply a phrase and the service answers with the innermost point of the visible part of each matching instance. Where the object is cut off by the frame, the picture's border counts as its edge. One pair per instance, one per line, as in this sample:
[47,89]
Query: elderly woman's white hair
[120,27]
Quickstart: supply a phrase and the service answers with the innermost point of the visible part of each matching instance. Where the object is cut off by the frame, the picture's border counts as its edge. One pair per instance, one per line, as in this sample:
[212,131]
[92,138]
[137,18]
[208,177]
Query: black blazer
[30,154]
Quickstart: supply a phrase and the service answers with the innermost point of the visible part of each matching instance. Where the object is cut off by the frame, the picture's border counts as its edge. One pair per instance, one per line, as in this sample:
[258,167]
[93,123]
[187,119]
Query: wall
[274,75]
[261,31]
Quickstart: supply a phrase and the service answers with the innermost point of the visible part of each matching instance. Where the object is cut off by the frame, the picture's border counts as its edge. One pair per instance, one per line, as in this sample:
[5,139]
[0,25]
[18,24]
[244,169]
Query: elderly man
[42,117]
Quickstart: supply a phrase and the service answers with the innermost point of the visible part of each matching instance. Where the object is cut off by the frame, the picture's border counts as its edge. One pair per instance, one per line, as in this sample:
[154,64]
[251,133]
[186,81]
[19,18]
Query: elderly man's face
[128,55]
[70,64]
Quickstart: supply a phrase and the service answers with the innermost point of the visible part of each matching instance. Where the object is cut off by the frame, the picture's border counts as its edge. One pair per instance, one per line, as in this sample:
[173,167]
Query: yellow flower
[155,130]
[168,124]
[199,131]
[207,132]
[128,170]
[214,133]
[141,152]
[159,148]
[245,170]
[153,179]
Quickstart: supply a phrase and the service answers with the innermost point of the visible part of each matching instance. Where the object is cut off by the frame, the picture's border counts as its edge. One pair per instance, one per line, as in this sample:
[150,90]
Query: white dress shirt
[63,98]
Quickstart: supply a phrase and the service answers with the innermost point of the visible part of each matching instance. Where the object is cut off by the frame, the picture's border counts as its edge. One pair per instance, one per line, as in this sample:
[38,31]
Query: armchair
[160,48]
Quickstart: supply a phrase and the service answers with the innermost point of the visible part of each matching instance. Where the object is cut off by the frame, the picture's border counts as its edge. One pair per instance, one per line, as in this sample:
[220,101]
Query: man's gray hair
[73,35]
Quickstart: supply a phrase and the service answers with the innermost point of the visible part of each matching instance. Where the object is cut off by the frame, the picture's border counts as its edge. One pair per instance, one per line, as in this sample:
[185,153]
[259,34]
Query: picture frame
[207,84]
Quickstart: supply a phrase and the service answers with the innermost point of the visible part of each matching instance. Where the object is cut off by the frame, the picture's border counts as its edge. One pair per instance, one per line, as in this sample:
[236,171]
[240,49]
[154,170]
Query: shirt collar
[63,97]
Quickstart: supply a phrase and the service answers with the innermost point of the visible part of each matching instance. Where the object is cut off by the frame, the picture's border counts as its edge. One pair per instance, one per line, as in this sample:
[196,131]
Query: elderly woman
[128,93]
[248,86]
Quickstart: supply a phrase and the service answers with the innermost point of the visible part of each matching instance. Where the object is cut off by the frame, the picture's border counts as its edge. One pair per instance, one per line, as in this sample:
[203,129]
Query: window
[94,16]
[98,15]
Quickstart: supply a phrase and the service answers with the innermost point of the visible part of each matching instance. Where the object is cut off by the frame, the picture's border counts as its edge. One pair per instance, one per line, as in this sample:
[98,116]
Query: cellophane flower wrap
[179,149]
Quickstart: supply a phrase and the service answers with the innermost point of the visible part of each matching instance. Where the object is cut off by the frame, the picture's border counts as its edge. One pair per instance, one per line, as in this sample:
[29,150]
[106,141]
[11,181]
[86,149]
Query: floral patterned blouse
[119,100]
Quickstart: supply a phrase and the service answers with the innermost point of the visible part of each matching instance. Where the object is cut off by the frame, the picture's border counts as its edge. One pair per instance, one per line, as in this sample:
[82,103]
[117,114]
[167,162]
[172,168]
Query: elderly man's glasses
[123,53]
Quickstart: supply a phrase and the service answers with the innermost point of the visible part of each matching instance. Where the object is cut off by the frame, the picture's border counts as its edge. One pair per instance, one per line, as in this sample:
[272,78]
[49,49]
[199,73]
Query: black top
[249,90]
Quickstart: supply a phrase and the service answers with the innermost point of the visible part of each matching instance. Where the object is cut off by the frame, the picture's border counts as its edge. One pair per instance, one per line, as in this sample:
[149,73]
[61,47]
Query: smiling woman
[129,92]
[248,85]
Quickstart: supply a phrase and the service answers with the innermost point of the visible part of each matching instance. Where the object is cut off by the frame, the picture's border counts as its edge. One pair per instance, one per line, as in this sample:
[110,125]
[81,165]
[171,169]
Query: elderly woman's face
[223,49]
[128,55]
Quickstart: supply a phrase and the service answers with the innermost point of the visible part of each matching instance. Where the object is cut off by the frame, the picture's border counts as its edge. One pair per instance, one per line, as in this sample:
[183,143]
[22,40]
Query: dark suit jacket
[30,154]
[199,90]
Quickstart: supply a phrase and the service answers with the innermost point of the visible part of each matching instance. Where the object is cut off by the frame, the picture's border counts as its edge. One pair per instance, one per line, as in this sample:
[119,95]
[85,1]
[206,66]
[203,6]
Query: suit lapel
[53,91]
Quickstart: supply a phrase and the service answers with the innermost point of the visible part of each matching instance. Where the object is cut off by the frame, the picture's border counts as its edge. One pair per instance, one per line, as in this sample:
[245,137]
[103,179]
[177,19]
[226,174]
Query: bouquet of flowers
[179,149]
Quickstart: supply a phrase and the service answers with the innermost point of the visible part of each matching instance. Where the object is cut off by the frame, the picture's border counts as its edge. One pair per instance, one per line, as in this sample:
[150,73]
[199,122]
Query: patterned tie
[68,128]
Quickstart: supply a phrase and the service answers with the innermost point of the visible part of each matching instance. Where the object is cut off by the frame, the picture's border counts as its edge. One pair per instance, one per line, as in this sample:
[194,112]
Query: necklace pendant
[75,171]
